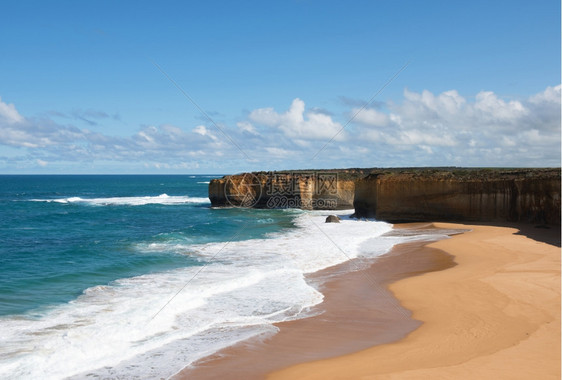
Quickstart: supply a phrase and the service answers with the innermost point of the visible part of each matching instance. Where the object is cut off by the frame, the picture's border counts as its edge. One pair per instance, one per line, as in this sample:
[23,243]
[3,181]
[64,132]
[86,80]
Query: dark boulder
[332,219]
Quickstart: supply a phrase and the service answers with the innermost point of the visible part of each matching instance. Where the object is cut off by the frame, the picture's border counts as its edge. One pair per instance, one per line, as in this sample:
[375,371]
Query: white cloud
[295,123]
[370,117]
[36,133]
[545,109]
[550,95]
[9,114]
[203,131]
[245,126]
[417,137]
[487,130]
[491,109]
[279,152]
[41,141]
[200,130]
[422,129]
[448,102]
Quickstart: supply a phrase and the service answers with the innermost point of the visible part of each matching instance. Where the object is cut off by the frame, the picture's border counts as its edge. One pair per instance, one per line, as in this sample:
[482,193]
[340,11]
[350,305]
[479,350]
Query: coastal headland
[483,304]
[403,194]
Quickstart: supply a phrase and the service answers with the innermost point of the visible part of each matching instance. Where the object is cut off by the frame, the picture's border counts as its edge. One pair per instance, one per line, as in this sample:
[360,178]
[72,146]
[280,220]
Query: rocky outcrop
[518,195]
[437,194]
[333,219]
[318,190]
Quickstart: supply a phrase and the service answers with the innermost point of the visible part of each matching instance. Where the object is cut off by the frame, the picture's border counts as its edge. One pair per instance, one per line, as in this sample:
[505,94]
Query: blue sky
[81,90]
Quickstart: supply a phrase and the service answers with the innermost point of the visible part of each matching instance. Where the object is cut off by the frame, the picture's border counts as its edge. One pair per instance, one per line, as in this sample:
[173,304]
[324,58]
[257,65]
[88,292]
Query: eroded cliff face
[311,190]
[526,195]
[454,194]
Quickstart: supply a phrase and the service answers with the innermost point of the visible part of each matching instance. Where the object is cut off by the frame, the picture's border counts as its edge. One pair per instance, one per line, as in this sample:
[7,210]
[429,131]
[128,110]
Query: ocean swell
[162,199]
[155,324]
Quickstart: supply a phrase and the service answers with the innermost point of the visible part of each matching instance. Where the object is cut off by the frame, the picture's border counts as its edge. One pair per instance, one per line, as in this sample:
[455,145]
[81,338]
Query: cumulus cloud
[296,123]
[487,130]
[423,128]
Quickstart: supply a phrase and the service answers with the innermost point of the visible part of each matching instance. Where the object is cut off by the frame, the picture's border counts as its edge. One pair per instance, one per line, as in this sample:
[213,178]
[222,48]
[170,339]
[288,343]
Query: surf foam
[164,321]
[162,199]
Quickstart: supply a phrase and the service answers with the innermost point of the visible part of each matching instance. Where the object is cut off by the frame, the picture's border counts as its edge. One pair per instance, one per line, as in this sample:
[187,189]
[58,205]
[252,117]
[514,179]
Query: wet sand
[358,312]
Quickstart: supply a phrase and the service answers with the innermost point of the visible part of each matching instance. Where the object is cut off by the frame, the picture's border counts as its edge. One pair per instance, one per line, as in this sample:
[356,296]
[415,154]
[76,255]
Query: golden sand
[358,312]
[496,315]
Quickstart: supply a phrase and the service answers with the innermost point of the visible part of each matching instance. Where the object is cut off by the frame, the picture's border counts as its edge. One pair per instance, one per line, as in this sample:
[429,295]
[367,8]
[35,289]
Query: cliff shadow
[542,233]
[549,234]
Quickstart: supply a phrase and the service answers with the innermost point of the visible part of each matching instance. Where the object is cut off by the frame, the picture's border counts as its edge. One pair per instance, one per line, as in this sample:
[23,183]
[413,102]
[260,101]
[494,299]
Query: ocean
[115,276]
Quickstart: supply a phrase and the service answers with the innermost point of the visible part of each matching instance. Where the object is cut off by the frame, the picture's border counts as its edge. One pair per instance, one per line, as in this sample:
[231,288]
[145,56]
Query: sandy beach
[358,312]
[495,315]
[483,304]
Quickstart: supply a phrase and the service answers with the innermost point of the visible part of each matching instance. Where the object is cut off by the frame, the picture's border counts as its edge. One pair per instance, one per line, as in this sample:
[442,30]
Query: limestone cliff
[519,195]
[437,194]
[319,190]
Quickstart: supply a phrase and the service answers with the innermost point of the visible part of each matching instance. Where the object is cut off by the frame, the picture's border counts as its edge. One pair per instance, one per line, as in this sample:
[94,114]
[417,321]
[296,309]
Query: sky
[219,87]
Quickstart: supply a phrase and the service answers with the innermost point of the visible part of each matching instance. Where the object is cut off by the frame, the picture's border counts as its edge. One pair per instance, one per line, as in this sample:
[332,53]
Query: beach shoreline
[419,346]
[494,315]
[358,312]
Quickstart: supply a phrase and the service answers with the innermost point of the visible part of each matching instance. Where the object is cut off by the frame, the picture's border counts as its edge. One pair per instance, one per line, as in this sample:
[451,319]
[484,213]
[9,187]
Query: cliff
[414,194]
[518,195]
[319,190]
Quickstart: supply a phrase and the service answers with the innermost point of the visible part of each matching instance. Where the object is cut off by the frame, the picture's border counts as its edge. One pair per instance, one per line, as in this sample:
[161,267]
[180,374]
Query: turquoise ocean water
[63,234]
[137,276]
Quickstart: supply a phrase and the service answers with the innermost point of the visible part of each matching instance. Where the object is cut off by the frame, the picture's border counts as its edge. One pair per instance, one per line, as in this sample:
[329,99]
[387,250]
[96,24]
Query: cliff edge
[405,194]
[514,195]
[318,190]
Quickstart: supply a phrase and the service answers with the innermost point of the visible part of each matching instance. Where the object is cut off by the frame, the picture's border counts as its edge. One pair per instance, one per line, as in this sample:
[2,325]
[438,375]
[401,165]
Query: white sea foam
[205,182]
[153,325]
[162,199]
